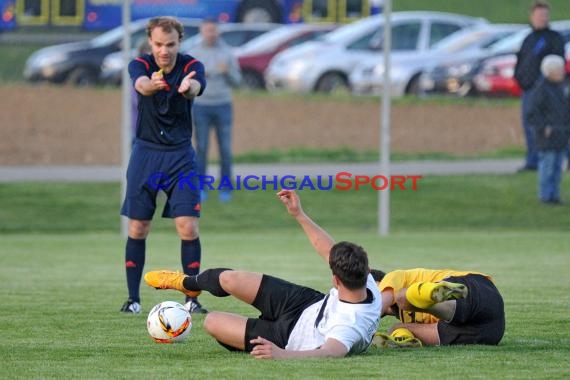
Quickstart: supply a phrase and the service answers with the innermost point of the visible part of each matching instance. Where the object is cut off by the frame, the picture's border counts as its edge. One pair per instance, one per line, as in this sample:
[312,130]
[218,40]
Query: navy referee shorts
[153,168]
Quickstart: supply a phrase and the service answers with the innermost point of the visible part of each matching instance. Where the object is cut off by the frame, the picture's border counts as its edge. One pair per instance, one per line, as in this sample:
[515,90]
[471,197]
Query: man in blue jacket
[541,42]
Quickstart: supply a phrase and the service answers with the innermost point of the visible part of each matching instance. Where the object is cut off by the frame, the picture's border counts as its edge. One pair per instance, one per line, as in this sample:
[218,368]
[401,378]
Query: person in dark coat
[549,117]
[541,42]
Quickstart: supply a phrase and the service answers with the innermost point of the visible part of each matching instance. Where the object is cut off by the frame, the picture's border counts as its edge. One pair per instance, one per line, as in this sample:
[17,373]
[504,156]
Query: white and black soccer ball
[169,322]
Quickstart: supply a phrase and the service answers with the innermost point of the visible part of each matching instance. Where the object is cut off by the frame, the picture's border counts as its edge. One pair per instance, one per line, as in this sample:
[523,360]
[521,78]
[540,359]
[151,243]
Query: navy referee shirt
[165,118]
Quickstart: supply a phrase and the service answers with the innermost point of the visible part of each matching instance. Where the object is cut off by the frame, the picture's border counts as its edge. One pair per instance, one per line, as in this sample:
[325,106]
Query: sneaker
[526,169]
[400,338]
[426,294]
[165,279]
[194,306]
[131,307]
[225,197]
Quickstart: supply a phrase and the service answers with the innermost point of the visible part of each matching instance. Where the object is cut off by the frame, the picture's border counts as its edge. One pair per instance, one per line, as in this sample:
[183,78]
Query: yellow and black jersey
[400,279]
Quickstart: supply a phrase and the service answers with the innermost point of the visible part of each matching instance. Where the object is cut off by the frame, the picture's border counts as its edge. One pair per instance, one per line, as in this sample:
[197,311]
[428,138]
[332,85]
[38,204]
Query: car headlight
[364,72]
[44,60]
[378,70]
[296,67]
[459,70]
[507,72]
[112,64]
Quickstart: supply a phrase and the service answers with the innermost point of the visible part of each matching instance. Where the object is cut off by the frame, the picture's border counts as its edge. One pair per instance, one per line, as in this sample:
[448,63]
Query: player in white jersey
[295,321]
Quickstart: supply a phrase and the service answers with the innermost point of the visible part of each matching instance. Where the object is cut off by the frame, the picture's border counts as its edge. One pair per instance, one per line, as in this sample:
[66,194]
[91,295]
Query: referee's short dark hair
[349,262]
[539,4]
[166,23]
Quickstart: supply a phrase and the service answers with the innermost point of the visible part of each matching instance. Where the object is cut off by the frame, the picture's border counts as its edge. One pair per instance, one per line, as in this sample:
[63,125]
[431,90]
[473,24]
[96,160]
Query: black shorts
[479,318]
[281,304]
[153,168]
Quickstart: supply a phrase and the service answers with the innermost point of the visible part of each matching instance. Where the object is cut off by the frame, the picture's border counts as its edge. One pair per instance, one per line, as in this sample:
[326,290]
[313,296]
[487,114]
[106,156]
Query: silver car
[457,75]
[325,65]
[407,67]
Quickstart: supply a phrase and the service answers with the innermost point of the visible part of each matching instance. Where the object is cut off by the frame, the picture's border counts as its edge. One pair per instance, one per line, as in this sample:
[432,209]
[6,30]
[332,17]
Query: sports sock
[208,280]
[134,265]
[190,256]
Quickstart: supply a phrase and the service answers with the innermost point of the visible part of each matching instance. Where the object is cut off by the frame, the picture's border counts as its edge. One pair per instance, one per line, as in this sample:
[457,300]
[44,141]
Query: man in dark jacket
[541,42]
[549,116]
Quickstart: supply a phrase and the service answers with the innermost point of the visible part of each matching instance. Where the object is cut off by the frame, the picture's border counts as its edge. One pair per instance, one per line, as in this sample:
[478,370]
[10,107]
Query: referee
[166,82]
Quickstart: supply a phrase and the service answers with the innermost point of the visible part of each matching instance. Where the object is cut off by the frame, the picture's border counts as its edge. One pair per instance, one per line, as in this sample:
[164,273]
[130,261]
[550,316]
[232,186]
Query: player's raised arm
[318,237]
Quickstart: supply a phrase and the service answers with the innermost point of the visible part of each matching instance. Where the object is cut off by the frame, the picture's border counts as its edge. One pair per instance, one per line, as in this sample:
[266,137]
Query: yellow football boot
[166,279]
[426,294]
[399,338]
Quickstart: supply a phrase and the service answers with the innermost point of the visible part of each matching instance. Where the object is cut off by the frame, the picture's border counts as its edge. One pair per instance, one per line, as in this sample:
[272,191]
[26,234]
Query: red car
[496,77]
[254,56]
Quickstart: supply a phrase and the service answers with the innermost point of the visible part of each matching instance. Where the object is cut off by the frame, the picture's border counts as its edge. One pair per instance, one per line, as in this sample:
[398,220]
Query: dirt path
[61,125]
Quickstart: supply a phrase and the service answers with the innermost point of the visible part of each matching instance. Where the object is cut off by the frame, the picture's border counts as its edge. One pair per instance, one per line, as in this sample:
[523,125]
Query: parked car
[456,76]
[496,76]
[234,35]
[325,65]
[407,67]
[79,63]
[254,56]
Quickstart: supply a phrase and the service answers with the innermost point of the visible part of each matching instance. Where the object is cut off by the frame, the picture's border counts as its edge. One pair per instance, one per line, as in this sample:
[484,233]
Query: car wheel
[252,80]
[466,89]
[259,11]
[413,87]
[82,76]
[332,82]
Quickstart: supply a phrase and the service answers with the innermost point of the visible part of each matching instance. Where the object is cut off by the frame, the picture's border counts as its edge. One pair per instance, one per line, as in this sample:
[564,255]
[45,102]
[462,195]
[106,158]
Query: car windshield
[461,41]
[113,35]
[347,33]
[510,43]
[109,37]
[268,41]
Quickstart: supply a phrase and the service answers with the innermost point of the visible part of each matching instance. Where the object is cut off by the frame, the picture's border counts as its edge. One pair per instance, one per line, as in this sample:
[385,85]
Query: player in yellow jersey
[440,307]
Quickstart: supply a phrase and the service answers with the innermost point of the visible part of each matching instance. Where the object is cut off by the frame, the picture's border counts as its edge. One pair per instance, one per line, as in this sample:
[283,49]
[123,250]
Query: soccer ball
[169,322]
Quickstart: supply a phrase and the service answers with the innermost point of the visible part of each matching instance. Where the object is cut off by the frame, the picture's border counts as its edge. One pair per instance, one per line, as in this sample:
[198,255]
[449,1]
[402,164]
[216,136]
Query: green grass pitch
[61,294]
[63,282]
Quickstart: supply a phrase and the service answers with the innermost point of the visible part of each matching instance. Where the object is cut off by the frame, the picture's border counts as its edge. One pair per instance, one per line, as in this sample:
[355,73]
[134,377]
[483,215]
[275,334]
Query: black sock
[190,255]
[208,280]
[134,264]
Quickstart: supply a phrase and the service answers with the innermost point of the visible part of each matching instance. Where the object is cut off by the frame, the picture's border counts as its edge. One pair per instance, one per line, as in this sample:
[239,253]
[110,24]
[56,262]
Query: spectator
[214,107]
[549,116]
[541,42]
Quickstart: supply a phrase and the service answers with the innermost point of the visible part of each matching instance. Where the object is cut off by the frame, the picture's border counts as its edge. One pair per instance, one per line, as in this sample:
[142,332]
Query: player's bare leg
[219,282]
[443,310]
[240,284]
[226,328]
